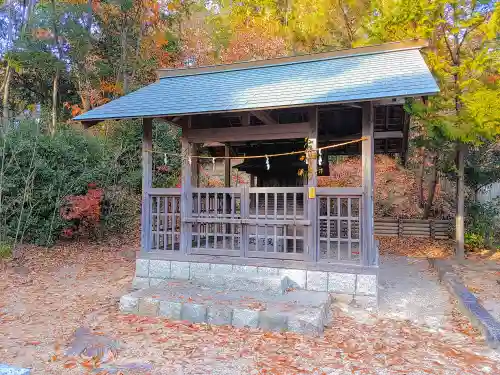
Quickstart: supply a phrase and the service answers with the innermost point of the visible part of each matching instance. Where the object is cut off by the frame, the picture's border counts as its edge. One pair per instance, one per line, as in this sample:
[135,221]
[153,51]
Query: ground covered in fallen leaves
[53,292]
[415,247]
[482,277]
[480,270]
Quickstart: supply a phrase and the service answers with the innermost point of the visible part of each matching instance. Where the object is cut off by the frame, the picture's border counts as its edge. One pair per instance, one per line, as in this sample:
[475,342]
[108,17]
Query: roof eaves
[82,117]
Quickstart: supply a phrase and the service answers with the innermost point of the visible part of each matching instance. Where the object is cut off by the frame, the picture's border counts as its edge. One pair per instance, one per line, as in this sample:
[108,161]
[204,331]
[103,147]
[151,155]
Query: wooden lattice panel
[277,223]
[339,228]
[165,222]
[218,228]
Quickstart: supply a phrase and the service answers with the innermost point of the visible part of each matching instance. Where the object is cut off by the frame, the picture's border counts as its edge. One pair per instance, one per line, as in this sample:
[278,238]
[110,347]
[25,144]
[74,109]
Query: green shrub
[482,224]
[124,140]
[121,210]
[474,240]
[38,171]
[5,249]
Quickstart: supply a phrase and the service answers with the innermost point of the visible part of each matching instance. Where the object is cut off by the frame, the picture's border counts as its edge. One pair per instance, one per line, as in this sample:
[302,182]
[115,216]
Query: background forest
[63,57]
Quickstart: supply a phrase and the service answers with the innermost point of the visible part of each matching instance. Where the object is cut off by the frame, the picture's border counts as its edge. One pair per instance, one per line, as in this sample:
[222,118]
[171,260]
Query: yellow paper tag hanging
[312,192]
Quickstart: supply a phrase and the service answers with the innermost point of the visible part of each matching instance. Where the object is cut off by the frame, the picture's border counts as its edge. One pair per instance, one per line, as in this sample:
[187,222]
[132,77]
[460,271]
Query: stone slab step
[297,311]
[269,284]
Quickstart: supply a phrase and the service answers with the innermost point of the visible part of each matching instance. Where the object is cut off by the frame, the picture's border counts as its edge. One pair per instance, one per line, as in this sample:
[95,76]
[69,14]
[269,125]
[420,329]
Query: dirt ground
[56,291]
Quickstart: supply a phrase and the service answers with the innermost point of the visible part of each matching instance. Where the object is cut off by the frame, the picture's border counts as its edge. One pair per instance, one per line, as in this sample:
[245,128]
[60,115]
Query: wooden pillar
[312,183]
[406,129]
[227,167]
[369,250]
[186,188]
[195,172]
[147,180]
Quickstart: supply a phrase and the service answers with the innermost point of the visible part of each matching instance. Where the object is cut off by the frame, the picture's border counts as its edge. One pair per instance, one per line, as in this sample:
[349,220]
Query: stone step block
[270,284]
[298,310]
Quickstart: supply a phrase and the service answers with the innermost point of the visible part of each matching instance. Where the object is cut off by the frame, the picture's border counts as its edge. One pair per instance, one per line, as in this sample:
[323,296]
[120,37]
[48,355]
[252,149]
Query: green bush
[5,250]
[482,224]
[124,140]
[121,210]
[37,172]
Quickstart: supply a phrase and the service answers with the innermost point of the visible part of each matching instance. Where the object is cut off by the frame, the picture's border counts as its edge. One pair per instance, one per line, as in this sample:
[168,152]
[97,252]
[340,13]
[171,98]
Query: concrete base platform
[349,281]
[297,310]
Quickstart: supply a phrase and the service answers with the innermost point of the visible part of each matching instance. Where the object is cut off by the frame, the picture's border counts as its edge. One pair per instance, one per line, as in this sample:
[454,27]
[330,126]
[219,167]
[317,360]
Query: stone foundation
[356,287]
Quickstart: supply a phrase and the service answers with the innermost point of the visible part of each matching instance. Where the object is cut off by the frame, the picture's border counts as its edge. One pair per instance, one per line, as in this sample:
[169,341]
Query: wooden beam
[312,183]
[376,135]
[406,130]
[147,181]
[227,166]
[388,134]
[249,133]
[369,250]
[264,116]
[245,119]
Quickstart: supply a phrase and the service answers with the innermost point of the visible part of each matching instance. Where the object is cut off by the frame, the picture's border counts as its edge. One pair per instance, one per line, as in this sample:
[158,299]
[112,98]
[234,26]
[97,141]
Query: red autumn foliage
[82,211]
[163,169]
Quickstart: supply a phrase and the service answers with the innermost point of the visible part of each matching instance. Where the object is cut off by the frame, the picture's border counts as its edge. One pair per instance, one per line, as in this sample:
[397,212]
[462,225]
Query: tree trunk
[27,17]
[8,70]
[122,76]
[55,90]
[432,189]
[89,17]
[82,87]
[460,210]
[421,178]
[85,96]
[55,84]
[5,98]
[347,24]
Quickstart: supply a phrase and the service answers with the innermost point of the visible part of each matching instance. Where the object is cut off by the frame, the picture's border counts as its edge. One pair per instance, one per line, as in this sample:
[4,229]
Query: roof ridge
[295,59]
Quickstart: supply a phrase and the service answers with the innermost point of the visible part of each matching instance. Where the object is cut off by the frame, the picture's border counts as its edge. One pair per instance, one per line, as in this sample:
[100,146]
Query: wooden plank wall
[435,229]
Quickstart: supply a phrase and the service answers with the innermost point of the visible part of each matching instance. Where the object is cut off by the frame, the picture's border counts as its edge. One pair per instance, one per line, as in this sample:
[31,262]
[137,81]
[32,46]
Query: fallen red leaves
[415,247]
[35,343]
[79,286]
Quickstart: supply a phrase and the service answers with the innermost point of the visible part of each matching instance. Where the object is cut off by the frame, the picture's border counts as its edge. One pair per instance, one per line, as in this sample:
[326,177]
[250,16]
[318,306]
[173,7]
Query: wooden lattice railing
[247,222]
[339,227]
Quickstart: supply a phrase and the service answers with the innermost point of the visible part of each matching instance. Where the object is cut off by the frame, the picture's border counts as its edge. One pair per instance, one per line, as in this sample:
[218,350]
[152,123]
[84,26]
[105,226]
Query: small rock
[85,343]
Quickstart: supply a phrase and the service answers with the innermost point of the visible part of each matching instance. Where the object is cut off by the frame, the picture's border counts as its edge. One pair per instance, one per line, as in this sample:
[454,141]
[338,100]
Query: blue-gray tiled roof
[396,73]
